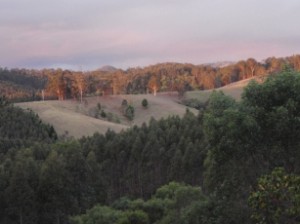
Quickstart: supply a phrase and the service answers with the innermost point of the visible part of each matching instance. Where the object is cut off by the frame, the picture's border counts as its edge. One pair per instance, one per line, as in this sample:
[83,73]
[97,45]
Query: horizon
[79,68]
[89,35]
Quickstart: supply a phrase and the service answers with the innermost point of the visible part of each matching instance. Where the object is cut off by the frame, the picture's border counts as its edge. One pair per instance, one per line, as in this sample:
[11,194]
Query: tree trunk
[80,95]
[252,72]
[154,90]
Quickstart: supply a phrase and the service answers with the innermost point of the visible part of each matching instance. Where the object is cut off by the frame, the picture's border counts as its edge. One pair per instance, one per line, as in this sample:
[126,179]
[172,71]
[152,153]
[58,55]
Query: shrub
[145,103]
[103,114]
[124,103]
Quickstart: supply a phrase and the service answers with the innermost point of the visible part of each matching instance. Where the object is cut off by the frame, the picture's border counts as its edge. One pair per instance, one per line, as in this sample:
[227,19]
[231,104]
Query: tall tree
[252,65]
[153,84]
[79,84]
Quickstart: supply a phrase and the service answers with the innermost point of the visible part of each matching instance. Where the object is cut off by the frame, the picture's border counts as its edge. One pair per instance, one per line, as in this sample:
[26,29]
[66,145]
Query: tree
[124,103]
[129,112]
[57,84]
[252,65]
[274,65]
[80,84]
[153,84]
[275,105]
[276,198]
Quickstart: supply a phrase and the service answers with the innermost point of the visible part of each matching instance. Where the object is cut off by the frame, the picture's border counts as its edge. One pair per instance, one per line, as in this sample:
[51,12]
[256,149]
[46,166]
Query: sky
[88,34]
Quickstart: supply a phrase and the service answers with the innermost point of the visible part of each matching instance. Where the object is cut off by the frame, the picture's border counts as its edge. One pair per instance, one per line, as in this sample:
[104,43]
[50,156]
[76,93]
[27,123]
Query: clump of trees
[171,203]
[21,128]
[251,138]
[99,112]
[127,109]
[22,84]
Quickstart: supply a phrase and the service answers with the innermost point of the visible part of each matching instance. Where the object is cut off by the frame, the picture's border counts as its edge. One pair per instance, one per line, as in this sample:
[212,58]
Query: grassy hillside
[79,119]
[234,90]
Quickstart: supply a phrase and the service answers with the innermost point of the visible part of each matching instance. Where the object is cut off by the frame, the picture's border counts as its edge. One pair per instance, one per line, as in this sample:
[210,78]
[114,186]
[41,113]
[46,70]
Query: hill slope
[234,90]
[79,119]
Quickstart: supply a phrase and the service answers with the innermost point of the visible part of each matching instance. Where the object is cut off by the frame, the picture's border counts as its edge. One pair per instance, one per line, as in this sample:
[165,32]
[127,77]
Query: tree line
[22,84]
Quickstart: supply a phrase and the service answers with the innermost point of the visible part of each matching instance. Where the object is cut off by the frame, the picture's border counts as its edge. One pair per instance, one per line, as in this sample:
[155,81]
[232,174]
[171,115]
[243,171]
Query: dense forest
[234,162]
[28,85]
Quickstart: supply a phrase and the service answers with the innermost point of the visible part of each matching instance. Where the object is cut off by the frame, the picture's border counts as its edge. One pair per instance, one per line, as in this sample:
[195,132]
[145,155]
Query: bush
[145,103]
[103,114]
[124,103]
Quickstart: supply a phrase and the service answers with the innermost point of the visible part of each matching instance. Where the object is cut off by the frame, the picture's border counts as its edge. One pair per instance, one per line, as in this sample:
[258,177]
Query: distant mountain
[107,68]
[220,64]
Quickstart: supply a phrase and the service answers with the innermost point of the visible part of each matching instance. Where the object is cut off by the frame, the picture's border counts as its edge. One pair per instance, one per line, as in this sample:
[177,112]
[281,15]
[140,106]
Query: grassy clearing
[79,119]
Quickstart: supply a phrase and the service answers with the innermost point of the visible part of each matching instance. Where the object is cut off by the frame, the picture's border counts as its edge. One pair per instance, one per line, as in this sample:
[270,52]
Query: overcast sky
[88,34]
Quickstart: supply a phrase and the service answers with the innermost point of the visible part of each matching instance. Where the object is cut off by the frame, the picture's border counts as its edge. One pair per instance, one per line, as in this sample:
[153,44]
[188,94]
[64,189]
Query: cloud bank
[89,34]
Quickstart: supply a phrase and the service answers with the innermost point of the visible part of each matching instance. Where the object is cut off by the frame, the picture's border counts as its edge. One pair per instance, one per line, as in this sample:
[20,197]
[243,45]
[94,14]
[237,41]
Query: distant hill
[107,68]
[234,90]
[220,64]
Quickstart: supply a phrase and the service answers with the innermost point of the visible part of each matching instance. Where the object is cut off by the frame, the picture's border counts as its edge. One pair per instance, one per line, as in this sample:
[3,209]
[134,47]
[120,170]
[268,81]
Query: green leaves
[276,198]
[98,214]
[173,203]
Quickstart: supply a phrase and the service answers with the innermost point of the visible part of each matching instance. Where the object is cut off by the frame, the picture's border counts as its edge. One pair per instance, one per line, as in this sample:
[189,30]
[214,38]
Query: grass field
[79,120]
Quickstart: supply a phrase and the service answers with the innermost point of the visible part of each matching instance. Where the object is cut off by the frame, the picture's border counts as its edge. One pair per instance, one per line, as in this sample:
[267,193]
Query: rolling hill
[72,118]
[77,120]
[234,90]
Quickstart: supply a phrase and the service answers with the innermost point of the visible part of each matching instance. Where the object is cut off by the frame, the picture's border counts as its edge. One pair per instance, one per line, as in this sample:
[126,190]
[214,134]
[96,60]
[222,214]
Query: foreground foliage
[171,204]
[277,198]
[251,138]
